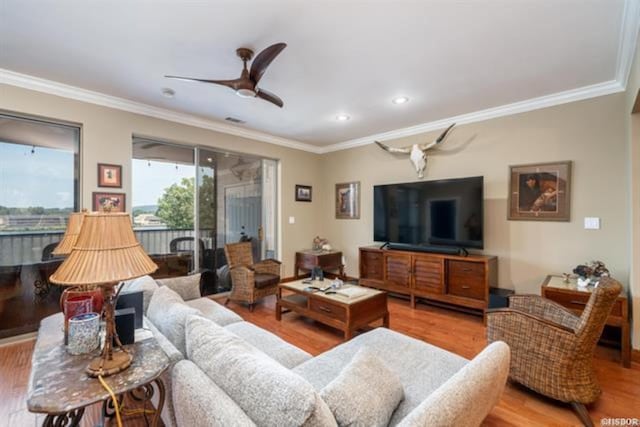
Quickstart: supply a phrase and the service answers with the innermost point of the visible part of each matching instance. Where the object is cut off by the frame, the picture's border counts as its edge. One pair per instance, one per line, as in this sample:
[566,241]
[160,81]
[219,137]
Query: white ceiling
[450,57]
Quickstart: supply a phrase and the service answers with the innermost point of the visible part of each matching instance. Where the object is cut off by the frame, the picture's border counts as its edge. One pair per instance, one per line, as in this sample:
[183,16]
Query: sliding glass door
[39,188]
[163,180]
[236,202]
[231,198]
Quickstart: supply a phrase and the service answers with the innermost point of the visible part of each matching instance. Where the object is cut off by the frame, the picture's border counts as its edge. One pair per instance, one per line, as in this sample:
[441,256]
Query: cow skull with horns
[417,152]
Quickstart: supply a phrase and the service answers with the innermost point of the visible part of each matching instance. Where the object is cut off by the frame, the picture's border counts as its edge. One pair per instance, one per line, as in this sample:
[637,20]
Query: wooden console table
[575,299]
[460,282]
[327,260]
[60,388]
[335,310]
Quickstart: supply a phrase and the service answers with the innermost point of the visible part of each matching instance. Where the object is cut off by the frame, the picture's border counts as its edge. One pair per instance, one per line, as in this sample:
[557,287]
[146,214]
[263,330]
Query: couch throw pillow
[365,393]
[270,394]
[146,284]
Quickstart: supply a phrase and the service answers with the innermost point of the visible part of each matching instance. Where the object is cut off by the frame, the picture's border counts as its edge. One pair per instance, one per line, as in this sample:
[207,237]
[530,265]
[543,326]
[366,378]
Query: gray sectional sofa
[226,371]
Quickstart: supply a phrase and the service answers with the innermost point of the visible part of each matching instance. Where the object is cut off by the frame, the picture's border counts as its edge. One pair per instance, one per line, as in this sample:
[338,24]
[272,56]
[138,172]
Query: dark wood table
[60,388]
[340,312]
[327,260]
[575,299]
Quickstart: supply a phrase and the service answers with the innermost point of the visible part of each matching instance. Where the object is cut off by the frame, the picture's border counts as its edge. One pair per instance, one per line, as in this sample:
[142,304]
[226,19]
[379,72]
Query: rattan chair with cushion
[551,347]
[250,282]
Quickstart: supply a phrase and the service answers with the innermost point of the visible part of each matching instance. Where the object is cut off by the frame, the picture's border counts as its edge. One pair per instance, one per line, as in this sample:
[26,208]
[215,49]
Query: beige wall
[633,130]
[106,138]
[635,227]
[591,133]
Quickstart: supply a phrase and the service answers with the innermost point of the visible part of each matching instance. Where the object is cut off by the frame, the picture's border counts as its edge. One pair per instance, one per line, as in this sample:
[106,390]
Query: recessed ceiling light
[342,117]
[400,100]
[168,92]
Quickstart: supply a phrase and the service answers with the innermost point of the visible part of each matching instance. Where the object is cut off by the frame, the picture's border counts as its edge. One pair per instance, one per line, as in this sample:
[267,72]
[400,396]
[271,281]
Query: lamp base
[120,361]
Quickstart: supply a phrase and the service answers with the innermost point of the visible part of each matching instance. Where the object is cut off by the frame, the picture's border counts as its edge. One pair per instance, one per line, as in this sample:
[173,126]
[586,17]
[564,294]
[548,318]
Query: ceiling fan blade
[268,96]
[227,83]
[264,58]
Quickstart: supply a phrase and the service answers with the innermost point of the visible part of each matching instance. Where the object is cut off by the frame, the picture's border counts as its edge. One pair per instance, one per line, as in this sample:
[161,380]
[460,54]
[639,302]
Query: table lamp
[70,234]
[105,253]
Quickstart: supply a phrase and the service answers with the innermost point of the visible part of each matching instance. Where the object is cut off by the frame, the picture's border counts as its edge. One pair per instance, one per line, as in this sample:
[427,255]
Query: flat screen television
[446,212]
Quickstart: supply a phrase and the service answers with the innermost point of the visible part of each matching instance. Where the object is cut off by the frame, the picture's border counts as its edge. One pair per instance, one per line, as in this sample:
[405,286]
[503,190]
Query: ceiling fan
[246,85]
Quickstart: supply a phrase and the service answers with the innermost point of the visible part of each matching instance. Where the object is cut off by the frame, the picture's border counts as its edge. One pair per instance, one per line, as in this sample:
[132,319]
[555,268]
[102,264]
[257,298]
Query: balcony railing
[26,296]
[26,248]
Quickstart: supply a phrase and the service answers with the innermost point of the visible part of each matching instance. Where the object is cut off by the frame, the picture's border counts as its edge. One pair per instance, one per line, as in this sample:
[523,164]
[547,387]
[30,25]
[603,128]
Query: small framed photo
[303,193]
[109,175]
[348,200]
[109,202]
[540,192]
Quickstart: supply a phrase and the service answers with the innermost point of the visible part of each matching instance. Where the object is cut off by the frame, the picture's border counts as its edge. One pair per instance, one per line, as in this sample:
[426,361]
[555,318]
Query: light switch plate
[591,223]
[292,220]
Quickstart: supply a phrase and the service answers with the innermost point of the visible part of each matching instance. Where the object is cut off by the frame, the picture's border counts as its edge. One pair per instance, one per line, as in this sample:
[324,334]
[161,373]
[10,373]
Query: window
[163,177]
[39,187]
[183,195]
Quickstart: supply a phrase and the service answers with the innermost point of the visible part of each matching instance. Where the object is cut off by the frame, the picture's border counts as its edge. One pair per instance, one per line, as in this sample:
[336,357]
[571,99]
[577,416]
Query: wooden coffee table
[335,310]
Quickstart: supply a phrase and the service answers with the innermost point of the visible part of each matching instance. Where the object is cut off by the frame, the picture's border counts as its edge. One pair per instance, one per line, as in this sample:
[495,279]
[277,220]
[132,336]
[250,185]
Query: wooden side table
[575,299]
[327,260]
[60,388]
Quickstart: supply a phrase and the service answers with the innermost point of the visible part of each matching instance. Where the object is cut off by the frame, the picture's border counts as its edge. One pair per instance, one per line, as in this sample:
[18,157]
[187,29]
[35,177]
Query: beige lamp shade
[70,234]
[106,251]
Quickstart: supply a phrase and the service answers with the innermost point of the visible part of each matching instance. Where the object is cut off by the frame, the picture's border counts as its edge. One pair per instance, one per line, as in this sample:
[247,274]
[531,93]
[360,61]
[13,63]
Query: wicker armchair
[552,348]
[250,282]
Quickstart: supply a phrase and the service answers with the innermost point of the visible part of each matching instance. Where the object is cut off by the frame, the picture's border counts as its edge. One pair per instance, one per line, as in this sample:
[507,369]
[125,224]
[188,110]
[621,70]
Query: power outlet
[292,220]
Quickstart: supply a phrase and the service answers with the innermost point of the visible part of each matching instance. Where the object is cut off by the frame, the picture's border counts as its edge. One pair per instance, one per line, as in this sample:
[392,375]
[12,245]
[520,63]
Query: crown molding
[628,40]
[586,92]
[72,92]
[629,31]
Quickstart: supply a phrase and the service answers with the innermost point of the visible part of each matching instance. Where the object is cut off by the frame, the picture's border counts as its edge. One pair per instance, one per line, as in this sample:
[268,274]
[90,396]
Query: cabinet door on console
[428,274]
[397,269]
[371,265]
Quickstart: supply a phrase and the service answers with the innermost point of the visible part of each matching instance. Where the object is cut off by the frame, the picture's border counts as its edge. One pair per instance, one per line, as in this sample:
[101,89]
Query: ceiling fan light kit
[246,93]
[246,86]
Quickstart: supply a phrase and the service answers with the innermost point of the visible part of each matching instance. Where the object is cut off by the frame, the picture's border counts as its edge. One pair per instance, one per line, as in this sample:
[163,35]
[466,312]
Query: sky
[44,178]
[149,182]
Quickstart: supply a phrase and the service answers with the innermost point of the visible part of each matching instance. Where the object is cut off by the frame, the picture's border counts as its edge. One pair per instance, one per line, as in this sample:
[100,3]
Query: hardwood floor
[457,332]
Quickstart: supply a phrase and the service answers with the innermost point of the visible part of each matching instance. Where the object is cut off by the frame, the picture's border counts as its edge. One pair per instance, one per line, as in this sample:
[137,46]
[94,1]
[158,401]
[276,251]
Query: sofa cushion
[214,311]
[421,367]
[188,287]
[467,397]
[168,312]
[264,280]
[167,346]
[272,345]
[269,394]
[365,393]
[199,402]
[144,284]
[168,413]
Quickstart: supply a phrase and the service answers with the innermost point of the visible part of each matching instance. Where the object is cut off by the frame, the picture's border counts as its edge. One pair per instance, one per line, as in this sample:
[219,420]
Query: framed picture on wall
[348,200]
[112,202]
[303,193]
[540,192]
[109,175]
